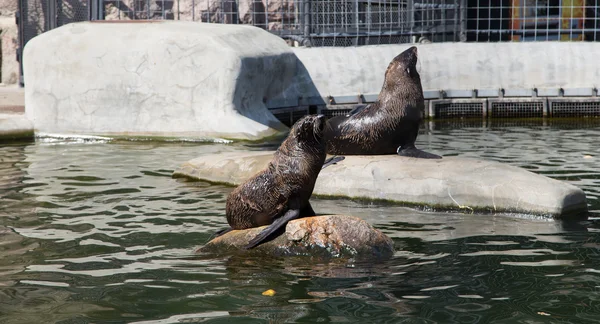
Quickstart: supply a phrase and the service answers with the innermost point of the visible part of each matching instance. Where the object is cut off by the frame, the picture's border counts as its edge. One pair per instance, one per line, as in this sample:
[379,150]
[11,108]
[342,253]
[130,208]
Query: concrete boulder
[450,183]
[156,79]
[319,236]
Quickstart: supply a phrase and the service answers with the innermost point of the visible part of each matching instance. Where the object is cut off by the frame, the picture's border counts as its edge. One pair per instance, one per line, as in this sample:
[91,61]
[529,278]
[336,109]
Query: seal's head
[310,129]
[402,74]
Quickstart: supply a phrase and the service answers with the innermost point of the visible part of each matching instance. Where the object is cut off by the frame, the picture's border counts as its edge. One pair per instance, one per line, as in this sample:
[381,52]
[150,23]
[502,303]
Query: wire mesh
[325,22]
[532,20]
[516,108]
[69,11]
[575,108]
[459,109]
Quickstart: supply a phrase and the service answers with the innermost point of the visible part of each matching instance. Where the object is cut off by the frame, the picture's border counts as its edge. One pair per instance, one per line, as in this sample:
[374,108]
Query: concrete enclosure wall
[340,72]
[199,80]
[168,78]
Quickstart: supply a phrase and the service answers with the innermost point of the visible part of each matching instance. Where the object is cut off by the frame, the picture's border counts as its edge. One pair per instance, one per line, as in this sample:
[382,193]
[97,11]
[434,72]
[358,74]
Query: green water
[94,232]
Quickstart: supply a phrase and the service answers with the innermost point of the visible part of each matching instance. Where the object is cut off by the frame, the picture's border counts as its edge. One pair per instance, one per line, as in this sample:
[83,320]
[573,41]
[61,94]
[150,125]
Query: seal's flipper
[356,110]
[223,231]
[332,160]
[307,211]
[412,151]
[276,225]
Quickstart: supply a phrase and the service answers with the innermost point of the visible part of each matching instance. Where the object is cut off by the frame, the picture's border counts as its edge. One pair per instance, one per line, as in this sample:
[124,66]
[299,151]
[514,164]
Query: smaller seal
[280,193]
[390,124]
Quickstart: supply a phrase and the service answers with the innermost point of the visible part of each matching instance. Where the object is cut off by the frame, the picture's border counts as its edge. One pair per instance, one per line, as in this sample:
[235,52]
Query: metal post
[306,18]
[51,16]
[456,20]
[410,7]
[463,20]
[95,12]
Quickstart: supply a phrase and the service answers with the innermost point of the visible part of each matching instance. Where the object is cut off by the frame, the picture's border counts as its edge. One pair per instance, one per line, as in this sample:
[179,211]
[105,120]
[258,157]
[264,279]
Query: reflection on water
[100,232]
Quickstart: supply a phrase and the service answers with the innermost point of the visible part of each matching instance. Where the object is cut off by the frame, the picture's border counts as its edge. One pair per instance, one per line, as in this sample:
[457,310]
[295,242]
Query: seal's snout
[321,122]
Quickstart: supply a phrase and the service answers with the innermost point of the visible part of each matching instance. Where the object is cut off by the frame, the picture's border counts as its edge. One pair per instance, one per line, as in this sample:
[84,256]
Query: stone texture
[8,8]
[191,80]
[319,236]
[10,42]
[450,183]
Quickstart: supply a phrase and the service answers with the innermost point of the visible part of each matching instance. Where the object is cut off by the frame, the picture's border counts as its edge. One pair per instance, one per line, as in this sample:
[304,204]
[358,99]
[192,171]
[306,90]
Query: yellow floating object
[269,292]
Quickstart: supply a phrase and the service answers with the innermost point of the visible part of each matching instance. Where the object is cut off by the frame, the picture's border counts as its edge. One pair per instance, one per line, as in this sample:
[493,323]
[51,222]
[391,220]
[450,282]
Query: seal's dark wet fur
[281,192]
[390,124]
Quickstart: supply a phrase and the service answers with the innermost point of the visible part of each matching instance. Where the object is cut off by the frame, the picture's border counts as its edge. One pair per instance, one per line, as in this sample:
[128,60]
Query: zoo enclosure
[366,22]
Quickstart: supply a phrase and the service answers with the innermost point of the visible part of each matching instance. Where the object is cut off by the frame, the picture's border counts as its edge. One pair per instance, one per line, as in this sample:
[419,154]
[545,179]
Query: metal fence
[532,20]
[314,22]
[342,22]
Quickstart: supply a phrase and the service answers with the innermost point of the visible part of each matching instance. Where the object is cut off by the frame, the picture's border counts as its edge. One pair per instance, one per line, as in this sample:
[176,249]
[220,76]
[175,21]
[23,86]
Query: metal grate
[334,112]
[516,108]
[458,109]
[289,116]
[575,108]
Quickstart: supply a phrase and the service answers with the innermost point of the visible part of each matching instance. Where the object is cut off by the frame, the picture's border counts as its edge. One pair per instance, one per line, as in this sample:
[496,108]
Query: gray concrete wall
[348,72]
[171,78]
[207,81]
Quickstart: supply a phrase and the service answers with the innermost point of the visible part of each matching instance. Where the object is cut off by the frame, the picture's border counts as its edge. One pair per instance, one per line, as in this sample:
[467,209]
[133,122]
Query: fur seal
[280,193]
[390,124]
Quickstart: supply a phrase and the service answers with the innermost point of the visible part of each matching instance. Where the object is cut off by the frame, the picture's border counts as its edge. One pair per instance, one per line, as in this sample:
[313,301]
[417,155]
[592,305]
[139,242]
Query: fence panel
[533,20]
[315,22]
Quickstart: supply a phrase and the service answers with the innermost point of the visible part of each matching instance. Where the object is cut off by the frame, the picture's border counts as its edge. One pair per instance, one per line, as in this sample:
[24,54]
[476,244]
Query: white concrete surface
[168,78]
[450,183]
[15,126]
[349,71]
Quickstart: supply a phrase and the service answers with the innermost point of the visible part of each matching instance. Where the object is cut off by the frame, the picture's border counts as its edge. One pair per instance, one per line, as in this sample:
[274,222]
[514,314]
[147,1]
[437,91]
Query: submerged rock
[319,236]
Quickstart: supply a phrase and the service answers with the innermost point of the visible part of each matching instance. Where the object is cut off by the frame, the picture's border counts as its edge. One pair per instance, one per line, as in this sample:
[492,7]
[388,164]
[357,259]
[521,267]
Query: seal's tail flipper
[416,153]
[332,160]
[276,225]
[223,231]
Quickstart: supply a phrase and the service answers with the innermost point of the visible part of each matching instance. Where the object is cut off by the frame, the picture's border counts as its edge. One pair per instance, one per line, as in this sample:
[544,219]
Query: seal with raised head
[280,193]
[390,124]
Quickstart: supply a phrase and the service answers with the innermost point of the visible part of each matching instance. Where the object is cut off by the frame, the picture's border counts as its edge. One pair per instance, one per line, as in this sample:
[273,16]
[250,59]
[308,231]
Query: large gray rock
[320,236]
[167,78]
[449,183]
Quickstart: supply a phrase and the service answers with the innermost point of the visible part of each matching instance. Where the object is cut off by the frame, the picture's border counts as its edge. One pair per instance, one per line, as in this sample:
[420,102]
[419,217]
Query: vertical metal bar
[501,22]
[463,20]
[306,19]
[267,14]
[51,16]
[410,8]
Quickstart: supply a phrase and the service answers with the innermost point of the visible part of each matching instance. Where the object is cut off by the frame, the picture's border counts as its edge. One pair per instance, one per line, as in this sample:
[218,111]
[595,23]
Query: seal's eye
[407,70]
